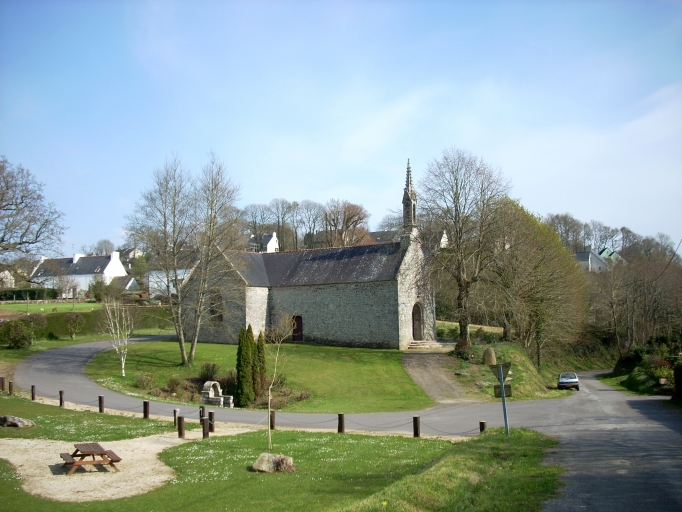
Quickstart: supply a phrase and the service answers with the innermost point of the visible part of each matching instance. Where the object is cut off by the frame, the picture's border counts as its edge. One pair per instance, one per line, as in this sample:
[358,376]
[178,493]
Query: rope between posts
[379,426]
[448,433]
[297,420]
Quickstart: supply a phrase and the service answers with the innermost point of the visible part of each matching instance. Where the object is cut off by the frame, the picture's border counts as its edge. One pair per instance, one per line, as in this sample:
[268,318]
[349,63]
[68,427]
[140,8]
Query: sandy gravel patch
[38,463]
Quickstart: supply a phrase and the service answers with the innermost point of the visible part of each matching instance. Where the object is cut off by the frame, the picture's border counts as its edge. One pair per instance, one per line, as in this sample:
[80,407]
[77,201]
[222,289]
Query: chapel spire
[409,201]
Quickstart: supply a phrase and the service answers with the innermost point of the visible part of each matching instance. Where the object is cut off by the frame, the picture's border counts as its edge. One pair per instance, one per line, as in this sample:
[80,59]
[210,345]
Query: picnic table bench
[94,450]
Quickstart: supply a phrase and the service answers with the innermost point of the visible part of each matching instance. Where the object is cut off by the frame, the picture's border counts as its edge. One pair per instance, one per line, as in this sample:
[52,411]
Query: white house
[591,261]
[264,243]
[77,272]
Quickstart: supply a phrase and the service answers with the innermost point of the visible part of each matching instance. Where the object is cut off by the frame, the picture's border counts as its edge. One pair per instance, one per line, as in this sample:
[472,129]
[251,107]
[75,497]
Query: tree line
[495,262]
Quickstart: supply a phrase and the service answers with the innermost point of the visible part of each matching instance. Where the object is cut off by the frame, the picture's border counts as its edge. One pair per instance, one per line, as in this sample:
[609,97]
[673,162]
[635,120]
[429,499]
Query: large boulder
[13,421]
[271,463]
[489,357]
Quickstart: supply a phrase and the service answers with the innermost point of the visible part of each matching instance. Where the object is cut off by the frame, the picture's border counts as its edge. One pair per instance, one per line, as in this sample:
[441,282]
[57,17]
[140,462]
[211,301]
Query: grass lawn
[47,307]
[337,378]
[336,472]
[76,426]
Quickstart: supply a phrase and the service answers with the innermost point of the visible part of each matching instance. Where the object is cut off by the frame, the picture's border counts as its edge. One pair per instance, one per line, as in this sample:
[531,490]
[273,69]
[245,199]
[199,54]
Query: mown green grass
[336,472]
[349,380]
[490,473]
[47,307]
[75,426]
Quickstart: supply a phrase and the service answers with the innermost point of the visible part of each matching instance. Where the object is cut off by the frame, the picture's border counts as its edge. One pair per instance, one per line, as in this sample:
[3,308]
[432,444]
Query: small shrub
[279,402]
[453,332]
[480,332]
[144,380]
[280,381]
[52,336]
[228,383]
[74,323]
[490,337]
[173,384]
[303,395]
[441,332]
[208,371]
[18,334]
[465,353]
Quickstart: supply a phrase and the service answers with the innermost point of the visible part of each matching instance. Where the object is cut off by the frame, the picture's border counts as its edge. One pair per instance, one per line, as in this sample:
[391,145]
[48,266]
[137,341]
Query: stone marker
[489,356]
[271,463]
[13,421]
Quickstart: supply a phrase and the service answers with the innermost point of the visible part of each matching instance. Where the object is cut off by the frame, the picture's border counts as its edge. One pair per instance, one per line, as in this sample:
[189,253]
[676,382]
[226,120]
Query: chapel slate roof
[359,264]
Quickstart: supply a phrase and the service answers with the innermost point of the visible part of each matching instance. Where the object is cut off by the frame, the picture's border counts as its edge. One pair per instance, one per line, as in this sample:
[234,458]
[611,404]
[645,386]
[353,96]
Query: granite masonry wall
[353,314]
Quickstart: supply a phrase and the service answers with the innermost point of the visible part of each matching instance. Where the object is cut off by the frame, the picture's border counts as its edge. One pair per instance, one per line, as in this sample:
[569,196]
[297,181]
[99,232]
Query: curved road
[620,452]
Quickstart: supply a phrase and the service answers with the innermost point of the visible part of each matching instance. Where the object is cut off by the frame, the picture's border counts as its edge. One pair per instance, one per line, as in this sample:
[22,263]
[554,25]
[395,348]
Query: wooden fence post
[416,427]
[175,417]
[482,425]
[101,403]
[211,421]
[272,420]
[204,427]
[181,427]
[61,398]
[342,424]
[33,392]
[145,409]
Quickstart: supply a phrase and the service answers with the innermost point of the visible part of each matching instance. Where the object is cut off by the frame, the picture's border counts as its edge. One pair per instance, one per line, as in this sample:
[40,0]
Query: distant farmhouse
[364,296]
[592,261]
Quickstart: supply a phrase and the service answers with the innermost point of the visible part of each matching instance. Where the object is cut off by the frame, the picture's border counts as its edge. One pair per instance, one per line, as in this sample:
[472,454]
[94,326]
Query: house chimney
[76,257]
[115,256]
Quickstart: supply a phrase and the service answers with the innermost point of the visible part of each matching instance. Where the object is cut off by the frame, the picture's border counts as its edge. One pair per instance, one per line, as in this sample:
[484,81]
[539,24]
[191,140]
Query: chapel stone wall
[351,314]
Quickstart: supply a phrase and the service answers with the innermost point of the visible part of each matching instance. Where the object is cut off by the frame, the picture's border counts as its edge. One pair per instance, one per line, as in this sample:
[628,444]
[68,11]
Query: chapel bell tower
[409,202]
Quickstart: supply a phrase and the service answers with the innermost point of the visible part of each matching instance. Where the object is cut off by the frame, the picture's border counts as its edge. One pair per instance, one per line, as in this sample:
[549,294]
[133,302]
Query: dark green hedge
[143,318]
[19,294]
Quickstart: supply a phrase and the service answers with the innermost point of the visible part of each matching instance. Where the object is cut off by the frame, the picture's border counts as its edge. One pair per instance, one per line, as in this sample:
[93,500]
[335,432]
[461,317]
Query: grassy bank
[338,379]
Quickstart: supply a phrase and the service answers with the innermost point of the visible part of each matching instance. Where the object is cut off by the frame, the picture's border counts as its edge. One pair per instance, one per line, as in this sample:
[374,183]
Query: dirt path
[40,468]
[431,373]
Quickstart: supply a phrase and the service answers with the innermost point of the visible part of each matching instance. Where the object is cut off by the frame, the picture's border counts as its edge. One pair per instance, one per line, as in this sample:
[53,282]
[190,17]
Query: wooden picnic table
[94,450]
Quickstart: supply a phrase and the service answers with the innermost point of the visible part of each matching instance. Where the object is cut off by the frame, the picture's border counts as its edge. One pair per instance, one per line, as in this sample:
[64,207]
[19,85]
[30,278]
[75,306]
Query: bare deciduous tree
[117,322]
[257,217]
[28,223]
[345,223]
[274,337]
[312,218]
[463,196]
[188,224]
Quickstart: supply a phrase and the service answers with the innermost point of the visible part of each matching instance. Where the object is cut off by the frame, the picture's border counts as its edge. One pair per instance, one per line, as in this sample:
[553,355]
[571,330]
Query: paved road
[621,453]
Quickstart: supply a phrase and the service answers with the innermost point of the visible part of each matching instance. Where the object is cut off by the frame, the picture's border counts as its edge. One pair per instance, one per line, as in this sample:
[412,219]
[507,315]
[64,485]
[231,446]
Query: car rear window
[568,376]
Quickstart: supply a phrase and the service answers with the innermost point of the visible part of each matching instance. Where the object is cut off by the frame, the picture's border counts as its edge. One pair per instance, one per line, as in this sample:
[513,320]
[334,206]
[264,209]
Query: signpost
[500,371]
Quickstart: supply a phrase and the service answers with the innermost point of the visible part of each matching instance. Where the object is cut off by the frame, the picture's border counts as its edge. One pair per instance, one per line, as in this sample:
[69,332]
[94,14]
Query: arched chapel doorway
[417,331]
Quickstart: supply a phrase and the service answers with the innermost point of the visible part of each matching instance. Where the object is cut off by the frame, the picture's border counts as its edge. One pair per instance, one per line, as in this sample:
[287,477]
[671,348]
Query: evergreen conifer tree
[244,393]
[260,369]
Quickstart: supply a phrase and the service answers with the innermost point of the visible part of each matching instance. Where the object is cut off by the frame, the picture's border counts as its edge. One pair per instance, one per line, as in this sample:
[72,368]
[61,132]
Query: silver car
[568,380]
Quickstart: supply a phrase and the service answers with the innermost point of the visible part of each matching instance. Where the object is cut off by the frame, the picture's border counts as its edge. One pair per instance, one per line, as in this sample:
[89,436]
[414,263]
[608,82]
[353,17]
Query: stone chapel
[363,296]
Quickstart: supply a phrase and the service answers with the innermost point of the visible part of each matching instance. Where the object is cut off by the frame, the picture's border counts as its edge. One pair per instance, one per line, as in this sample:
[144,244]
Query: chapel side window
[216,306]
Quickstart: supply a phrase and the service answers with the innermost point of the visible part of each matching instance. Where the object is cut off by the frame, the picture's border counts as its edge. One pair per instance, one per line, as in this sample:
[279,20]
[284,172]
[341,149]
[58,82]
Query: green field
[48,307]
[333,471]
[337,378]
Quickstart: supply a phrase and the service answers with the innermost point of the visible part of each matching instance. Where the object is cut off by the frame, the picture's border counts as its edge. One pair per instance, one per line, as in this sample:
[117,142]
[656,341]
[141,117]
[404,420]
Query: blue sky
[578,103]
